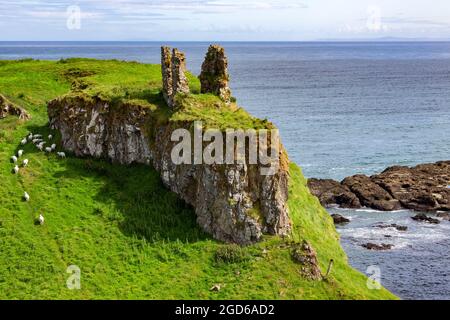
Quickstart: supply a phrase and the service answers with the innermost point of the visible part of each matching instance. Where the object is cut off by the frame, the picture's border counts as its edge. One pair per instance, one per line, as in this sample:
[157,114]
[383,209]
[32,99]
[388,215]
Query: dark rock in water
[378,247]
[338,219]
[422,217]
[420,188]
[305,255]
[370,194]
[444,216]
[331,192]
[394,225]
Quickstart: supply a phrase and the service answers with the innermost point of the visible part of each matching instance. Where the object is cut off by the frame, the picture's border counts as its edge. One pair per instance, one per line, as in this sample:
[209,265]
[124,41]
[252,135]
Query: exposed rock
[420,188]
[173,69]
[444,216]
[393,225]
[331,192]
[378,247]
[338,219]
[214,76]
[370,194]
[234,203]
[305,255]
[422,217]
[9,108]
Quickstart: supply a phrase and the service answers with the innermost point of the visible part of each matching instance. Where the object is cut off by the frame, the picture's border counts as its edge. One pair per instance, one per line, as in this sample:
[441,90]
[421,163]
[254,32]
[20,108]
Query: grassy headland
[131,237]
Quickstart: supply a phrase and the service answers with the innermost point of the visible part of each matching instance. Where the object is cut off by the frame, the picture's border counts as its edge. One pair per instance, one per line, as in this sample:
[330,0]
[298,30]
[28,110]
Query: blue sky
[223,20]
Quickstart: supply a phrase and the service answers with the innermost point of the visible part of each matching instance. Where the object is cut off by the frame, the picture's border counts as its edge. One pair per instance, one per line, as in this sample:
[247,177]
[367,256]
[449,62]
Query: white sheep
[40,147]
[24,141]
[61,154]
[25,162]
[19,153]
[50,137]
[30,137]
[16,169]
[41,219]
[37,136]
[26,196]
[53,146]
[14,159]
[48,149]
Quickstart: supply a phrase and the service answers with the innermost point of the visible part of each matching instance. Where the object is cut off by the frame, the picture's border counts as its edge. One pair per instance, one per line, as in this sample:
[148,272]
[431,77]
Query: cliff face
[8,108]
[234,203]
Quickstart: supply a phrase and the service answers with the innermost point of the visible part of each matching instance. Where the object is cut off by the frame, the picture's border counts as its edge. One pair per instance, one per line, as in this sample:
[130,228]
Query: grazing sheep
[30,137]
[14,159]
[61,154]
[25,162]
[41,219]
[53,146]
[16,169]
[26,196]
[37,136]
[48,149]
[24,141]
[50,137]
[40,147]
[19,153]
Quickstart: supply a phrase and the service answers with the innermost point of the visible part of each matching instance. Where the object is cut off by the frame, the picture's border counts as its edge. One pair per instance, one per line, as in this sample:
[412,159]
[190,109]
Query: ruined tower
[173,68]
[214,76]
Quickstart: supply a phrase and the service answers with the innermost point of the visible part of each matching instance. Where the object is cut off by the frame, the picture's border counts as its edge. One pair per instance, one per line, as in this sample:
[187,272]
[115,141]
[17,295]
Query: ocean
[342,108]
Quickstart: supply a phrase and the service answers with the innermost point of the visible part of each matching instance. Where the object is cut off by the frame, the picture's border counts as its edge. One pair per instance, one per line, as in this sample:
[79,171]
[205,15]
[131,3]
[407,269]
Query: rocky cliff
[425,187]
[233,202]
[9,108]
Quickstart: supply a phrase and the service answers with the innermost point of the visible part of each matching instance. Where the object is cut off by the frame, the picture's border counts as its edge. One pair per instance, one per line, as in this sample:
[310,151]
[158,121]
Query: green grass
[132,238]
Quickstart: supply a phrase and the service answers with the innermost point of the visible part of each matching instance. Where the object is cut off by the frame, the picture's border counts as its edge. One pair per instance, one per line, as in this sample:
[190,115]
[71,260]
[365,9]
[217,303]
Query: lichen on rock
[173,68]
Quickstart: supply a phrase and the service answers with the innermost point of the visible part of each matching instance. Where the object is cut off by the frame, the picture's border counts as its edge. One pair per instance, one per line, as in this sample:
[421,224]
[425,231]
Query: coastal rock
[174,80]
[444,216]
[422,217]
[393,225]
[420,188]
[371,194]
[331,192]
[338,219]
[378,247]
[214,76]
[233,202]
[9,108]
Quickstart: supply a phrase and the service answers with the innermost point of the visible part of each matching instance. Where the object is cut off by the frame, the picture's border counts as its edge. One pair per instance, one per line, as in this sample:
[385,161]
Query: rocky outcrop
[234,203]
[393,225]
[214,76]
[338,219]
[421,188]
[331,192]
[378,247]
[173,69]
[422,217]
[305,255]
[7,108]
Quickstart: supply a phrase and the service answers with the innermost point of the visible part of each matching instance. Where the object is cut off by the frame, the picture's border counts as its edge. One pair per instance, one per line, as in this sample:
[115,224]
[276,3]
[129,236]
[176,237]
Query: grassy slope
[131,237]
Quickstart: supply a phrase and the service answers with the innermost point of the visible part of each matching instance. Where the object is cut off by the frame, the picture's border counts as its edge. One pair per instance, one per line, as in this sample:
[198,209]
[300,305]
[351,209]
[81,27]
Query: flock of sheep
[39,142]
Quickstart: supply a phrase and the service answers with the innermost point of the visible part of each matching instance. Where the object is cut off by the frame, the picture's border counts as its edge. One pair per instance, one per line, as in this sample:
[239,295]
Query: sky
[223,20]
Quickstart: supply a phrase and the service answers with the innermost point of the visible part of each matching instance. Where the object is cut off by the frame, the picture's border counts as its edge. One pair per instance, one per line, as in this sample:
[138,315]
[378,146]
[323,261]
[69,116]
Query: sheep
[16,169]
[50,137]
[40,147]
[30,137]
[37,141]
[14,159]
[48,149]
[53,146]
[24,141]
[26,196]
[19,153]
[41,219]
[25,163]
[37,136]
[61,154]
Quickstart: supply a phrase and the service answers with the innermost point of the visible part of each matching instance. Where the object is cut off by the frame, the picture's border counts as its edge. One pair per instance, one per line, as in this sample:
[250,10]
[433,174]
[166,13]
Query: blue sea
[342,109]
